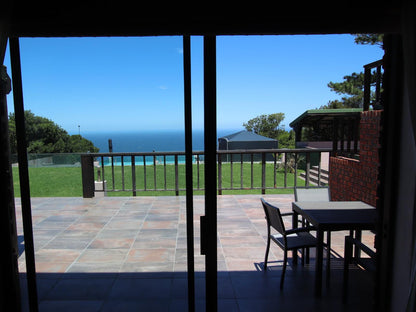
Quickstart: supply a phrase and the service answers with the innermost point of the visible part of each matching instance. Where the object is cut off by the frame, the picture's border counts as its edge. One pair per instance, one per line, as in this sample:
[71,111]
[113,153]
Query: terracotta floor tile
[52,267]
[111,243]
[160,225]
[103,255]
[57,255]
[151,255]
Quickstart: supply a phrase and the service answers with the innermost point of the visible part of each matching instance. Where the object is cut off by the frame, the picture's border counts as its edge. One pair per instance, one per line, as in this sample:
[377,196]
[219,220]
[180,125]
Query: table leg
[357,251]
[295,225]
[318,260]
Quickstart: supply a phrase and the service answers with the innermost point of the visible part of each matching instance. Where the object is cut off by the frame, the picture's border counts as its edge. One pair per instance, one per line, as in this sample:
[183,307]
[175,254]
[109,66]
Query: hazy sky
[126,84]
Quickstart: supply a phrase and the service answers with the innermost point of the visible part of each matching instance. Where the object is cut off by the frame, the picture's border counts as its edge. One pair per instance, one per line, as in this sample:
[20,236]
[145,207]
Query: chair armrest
[286,214]
[300,230]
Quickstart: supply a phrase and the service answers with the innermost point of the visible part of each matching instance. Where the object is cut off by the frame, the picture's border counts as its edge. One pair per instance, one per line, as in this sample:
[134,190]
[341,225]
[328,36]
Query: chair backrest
[273,216]
[312,194]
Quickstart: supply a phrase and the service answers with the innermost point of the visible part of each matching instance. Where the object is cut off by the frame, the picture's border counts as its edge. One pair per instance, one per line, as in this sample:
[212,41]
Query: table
[333,216]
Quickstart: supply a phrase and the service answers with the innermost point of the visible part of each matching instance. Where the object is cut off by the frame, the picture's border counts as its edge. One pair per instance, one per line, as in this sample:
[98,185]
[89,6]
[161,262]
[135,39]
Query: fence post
[154,171]
[133,175]
[197,169]
[367,86]
[176,176]
[251,168]
[241,171]
[308,167]
[87,168]
[220,174]
[263,173]
[286,156]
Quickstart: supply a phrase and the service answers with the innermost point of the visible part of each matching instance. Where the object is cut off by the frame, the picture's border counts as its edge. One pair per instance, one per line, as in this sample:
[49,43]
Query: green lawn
[66,181]
[51,182]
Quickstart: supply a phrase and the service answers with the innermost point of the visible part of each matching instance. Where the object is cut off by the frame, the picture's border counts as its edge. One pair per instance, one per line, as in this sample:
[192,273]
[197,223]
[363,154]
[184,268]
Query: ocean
[149,141]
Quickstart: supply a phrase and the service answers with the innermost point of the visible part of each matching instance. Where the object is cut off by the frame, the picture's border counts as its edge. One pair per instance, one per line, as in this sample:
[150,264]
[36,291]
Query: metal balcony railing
[260,169]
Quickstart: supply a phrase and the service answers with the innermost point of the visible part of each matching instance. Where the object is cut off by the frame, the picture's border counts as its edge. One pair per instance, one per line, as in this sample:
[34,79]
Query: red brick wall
[351,179]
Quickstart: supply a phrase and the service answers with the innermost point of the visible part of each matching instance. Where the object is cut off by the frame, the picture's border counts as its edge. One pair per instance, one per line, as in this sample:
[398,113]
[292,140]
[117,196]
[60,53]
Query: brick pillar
[352,179]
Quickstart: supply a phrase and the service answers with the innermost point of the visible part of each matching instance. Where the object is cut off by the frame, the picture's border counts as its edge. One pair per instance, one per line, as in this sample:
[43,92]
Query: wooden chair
[292,239]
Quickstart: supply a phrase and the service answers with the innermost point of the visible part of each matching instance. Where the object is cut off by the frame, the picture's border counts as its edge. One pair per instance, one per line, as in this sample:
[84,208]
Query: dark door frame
[388,189]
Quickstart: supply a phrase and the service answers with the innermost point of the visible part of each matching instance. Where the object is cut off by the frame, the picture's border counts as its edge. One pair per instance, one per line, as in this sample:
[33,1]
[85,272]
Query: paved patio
[129,254]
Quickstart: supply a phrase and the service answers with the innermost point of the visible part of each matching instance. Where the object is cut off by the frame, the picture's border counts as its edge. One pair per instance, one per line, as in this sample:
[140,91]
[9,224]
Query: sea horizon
[149,140]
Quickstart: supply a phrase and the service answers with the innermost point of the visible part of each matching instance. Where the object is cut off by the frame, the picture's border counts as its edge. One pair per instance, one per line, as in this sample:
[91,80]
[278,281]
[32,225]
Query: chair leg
[307,254]
[328,257]
[303,256]
[267,252]
[282,279]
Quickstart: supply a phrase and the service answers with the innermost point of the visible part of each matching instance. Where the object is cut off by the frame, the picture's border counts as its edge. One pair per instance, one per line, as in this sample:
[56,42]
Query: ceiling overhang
[125,18]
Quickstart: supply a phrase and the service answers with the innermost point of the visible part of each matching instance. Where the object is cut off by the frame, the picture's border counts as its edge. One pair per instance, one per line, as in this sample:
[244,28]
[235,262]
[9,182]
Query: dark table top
[336,215]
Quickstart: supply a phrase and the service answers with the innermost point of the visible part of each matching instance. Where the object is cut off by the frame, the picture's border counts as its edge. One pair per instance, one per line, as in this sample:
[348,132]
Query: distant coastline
[148,141]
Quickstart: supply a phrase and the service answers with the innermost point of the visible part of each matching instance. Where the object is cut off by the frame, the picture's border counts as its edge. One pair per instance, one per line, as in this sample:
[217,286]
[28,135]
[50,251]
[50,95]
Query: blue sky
[136,84]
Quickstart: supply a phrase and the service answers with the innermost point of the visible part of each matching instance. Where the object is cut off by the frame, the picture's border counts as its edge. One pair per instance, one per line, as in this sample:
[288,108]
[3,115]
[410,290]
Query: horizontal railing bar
[240,151]
[143,190]
[224,189]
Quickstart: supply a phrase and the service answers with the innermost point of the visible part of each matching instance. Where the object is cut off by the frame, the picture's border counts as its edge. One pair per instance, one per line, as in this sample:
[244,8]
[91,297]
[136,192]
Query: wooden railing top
[241,151]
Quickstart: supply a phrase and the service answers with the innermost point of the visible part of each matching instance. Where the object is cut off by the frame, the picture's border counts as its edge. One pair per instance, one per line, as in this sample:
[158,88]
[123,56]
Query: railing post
[341,136]
[102,169]
[220,174]
[286,156]
[356,135]
[319,168]
[308,167]
[241,171]
[275,170]
[176,176]
[197,171]
[295,177]
[164,171]
[144,173]
[87,168]
[367,86]
[133,175]
[122,173]
[263,173]
[251,167]
[112,173]
[335,136]
[378,85]
[231,171]
[154,171]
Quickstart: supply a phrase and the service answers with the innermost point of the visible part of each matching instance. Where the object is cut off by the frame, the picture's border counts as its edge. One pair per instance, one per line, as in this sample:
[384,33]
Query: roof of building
[246,136]
[324,115]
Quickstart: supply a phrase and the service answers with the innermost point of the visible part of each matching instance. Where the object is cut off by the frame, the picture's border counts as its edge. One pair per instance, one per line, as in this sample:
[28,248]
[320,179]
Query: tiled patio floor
[129,254]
